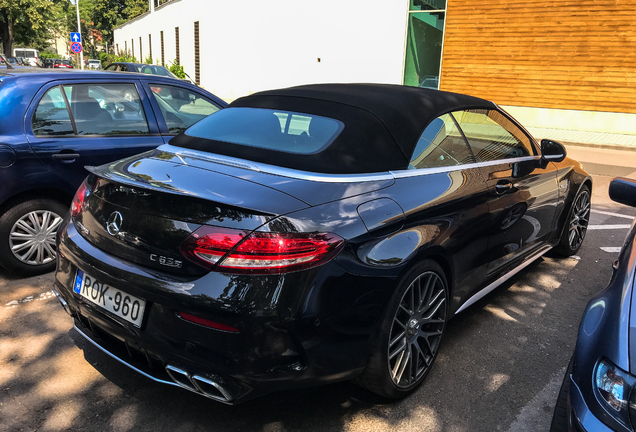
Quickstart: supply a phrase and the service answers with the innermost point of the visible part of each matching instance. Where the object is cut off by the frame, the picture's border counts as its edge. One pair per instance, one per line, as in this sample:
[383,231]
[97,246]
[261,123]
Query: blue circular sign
[76,47]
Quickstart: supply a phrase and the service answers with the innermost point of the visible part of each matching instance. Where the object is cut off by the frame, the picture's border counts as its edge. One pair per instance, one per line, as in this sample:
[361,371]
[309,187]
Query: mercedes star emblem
[114,223]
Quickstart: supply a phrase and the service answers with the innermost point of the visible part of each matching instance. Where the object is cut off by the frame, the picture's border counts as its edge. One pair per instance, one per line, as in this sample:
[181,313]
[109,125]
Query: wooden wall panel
[560,54]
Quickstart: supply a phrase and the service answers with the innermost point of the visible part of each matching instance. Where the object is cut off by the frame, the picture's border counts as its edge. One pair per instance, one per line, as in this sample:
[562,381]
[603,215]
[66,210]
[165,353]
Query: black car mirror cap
[623,190]
[552,151]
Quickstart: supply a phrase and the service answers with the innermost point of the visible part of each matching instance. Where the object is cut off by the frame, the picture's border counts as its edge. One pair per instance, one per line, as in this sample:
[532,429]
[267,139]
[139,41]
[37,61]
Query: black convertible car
[312,234]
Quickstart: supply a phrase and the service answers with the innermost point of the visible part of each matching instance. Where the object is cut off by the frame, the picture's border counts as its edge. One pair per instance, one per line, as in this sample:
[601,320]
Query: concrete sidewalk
[586,139]
[605,161]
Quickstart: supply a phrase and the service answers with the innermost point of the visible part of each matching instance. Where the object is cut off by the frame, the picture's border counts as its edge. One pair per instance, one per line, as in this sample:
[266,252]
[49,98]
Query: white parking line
[611,249]
[43,296]
[613,214]
[608,227]
[533,417]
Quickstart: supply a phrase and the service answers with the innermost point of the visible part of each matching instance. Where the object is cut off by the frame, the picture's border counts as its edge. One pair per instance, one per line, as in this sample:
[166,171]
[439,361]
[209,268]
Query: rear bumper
[213,387]
[277,347]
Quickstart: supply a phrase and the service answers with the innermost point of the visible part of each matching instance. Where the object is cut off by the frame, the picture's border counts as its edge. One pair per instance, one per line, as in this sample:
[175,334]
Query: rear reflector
[237,251]
[207,322]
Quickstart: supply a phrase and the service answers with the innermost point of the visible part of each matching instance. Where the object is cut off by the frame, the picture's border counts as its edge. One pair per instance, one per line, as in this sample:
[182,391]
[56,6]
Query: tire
[560,416]
[413,324]
[27,236]
[575,225]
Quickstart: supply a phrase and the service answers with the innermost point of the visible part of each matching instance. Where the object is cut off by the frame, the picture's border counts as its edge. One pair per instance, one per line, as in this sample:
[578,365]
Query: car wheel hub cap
[32,237]
[416,330]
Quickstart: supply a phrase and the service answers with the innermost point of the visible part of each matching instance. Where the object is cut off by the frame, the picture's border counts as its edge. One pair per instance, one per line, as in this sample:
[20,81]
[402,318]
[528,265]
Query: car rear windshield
[285,131]
[155,70]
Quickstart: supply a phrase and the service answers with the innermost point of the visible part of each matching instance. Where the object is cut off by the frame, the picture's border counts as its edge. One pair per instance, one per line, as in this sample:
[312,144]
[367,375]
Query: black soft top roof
[382,125]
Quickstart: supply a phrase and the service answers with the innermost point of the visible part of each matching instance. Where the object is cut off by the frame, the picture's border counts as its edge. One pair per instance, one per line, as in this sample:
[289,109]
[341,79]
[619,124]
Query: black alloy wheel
[576,224]
[411,333]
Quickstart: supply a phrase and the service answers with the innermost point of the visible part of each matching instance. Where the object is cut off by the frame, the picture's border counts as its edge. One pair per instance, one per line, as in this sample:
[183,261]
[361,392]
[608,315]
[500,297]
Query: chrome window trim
[182,153]
[272,169]
[427,171]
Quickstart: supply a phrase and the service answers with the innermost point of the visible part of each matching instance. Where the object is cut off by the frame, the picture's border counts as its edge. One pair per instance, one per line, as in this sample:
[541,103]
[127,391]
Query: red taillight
[77,206]
[206,322]
[78,200]
[235,251]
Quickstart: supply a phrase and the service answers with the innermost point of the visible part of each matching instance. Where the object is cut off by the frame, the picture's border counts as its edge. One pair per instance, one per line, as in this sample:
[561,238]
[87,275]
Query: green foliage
[148,60]
[103,59]
[134,8]
[25,23]
[107,59]
[48,55]
[177,69]
[110,13]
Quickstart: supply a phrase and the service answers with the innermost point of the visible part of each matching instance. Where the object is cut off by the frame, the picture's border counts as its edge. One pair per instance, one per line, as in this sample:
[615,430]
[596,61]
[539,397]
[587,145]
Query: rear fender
[571,178]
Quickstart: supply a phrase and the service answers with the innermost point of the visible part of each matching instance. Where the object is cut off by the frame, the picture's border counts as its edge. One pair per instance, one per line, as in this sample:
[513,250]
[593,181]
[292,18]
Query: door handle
[502,187]
[65,156]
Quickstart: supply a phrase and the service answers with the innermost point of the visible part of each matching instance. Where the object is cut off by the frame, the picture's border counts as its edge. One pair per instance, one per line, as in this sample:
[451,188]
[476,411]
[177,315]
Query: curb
[599,146]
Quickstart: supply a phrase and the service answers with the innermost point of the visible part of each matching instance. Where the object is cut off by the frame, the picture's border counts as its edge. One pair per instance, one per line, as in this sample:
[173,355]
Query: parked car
[63,64]
[54,123]
[30,55]
[597,392]
[140,67]
[49,62]
[143,68]
[310,235]
[94,64]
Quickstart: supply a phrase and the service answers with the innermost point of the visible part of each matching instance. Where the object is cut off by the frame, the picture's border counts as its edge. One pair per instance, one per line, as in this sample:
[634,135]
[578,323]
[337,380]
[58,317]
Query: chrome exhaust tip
[63,302]
[207,387]
[211,389]
[181,377]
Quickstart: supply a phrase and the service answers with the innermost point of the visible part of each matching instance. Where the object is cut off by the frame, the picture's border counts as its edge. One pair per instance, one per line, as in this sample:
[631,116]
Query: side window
[492,136]
[111,67]
[107,109]
[181,108]
[122,68]
[51,116]
[441,144]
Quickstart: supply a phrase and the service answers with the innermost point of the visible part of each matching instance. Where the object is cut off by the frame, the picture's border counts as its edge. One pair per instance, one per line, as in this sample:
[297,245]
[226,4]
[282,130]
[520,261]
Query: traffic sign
[76,37]
[76,47]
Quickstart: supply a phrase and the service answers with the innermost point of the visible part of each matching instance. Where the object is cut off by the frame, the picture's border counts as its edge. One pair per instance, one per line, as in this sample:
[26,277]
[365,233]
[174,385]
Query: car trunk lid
[143,209]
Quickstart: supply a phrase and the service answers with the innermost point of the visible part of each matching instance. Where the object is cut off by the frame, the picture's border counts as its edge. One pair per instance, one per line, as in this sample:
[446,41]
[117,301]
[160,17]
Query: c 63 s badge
[168,262]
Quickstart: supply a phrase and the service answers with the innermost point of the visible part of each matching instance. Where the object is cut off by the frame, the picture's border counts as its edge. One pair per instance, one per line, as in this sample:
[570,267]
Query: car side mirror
[551,151]
[623,190]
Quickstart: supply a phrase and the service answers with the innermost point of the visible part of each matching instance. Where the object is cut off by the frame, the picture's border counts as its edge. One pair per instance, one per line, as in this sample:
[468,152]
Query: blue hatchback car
[53,123]
[599,389]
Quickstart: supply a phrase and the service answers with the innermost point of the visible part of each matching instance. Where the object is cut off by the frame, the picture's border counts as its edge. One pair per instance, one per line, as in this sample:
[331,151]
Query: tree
[25,22]
[111,13]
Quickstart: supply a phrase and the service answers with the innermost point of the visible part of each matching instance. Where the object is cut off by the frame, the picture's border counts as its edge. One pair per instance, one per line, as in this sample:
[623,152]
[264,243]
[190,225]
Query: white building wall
[255,45]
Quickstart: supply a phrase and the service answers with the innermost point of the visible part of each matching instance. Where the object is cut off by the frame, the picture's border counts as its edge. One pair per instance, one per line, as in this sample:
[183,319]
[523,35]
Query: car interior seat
[90,118]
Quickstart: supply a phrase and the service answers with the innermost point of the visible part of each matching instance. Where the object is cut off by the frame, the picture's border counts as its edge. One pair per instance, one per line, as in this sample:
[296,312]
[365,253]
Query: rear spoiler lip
[260,199]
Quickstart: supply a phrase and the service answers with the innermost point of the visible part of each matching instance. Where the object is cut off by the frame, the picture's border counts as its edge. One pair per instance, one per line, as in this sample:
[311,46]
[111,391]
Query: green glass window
[424,48]
[422,5]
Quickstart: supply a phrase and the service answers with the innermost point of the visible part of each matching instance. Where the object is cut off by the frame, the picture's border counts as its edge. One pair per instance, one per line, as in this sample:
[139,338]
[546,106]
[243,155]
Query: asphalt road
[499,369]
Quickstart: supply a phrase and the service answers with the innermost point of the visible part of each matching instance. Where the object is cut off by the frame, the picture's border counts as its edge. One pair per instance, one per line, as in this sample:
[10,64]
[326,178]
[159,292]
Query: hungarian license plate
[115,301]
